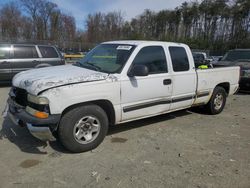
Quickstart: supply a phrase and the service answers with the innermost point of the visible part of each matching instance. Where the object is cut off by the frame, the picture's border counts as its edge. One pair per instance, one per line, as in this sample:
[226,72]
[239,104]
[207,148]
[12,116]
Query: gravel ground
[181,149]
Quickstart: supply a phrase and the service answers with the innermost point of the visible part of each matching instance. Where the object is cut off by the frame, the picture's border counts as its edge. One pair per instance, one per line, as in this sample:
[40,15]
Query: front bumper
[39,128]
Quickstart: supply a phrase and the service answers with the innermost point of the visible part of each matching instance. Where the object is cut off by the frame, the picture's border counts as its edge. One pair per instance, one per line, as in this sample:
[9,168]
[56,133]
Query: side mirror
[138,70]
[220,59]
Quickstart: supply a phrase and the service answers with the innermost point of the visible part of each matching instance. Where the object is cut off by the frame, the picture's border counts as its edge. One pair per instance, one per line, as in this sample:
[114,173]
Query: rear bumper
[39,128]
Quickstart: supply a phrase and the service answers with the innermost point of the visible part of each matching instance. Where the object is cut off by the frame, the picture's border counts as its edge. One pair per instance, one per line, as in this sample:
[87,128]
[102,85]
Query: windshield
[237,55]
[108,58]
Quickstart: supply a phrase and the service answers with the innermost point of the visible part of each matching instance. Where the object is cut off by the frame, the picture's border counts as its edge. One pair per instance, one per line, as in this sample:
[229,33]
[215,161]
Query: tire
[83,128]
[217,102]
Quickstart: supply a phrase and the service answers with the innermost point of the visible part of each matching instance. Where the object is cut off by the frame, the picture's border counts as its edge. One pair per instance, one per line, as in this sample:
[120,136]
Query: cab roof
[139,42]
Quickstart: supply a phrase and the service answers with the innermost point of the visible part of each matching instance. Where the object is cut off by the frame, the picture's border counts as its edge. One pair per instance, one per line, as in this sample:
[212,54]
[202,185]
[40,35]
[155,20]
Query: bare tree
[10,20]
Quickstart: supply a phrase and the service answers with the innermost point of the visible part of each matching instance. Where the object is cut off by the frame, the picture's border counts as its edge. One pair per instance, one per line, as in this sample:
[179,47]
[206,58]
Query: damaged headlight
[37,113]
[38,99]
[38,106]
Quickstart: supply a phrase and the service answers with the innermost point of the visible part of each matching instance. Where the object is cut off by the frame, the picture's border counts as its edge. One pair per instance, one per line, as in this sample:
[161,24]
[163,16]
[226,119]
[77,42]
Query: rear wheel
[217,101]
[83,128]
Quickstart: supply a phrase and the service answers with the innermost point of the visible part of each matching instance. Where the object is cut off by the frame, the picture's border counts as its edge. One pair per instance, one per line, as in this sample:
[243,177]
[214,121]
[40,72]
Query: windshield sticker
[124,47]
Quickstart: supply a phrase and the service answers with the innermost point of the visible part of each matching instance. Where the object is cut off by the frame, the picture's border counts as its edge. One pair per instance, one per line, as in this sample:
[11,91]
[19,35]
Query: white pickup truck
[116,82]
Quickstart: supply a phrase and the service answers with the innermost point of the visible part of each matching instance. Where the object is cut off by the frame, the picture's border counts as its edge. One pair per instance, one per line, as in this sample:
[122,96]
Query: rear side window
[48,52]
[179,59]
[4,51]
[25,52]
[153,57]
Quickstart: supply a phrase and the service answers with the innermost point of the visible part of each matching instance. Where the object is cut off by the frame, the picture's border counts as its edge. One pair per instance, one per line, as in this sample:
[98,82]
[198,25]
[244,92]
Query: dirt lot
[183,149]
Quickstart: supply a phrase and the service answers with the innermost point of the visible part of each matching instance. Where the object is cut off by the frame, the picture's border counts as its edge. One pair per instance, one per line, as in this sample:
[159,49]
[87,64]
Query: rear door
[147,95]
[50,56]
[24,57]
[183,77]
[5,68]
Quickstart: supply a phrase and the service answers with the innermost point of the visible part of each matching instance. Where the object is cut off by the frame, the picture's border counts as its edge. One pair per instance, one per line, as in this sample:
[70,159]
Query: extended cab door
[183,77]
[147,95]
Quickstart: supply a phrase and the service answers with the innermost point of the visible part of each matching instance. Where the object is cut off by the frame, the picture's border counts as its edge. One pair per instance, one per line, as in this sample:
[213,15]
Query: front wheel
[217,101]
[83,128]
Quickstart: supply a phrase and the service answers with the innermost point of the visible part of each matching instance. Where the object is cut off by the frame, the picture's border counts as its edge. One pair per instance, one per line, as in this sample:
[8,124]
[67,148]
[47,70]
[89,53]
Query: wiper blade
[77,63]
[94,66]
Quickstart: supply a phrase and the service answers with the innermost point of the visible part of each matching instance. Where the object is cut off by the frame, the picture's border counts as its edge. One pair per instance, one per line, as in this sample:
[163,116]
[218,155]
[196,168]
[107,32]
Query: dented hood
[37,80]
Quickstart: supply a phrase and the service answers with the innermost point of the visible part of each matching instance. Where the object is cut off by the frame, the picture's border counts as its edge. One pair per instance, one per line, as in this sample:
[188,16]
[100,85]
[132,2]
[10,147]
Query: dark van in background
[15,58]
[238,57]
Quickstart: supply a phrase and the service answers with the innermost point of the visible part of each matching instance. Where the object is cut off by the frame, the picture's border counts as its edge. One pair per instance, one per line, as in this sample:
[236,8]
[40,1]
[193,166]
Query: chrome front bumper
[42,133]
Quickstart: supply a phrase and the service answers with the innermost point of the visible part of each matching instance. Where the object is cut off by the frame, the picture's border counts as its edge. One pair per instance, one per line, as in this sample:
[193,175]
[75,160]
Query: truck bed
[208,79]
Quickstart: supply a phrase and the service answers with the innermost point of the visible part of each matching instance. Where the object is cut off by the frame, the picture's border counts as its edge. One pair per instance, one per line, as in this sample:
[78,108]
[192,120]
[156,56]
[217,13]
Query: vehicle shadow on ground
[21,137]
[146,122]
[243,93]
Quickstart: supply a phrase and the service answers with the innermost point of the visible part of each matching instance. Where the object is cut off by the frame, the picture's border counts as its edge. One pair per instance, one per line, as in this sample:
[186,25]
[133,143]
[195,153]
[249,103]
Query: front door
[147,95]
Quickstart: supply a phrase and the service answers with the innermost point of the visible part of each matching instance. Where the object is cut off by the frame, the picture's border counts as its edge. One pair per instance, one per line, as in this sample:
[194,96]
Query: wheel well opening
[226,86]
[104,104]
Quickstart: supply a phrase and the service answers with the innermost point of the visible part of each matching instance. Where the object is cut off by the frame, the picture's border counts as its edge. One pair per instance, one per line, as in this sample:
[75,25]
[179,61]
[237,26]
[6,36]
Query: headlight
[38,99]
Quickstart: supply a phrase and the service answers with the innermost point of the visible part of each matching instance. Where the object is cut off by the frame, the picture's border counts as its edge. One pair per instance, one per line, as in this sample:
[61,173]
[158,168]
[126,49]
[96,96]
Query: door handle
[167,82]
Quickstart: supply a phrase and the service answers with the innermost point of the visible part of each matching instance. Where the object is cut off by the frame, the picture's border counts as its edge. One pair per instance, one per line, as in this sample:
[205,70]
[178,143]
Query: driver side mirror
[138,70]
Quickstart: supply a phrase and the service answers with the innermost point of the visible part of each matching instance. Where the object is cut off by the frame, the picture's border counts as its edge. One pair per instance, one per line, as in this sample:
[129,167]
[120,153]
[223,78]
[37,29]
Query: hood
[242,64]
[37,80]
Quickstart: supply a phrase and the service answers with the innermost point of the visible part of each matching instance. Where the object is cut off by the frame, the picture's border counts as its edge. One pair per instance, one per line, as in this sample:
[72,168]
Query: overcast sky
[129,8]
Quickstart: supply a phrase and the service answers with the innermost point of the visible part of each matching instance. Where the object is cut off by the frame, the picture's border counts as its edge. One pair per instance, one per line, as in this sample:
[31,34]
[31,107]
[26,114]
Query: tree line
[216,25]
[36,21]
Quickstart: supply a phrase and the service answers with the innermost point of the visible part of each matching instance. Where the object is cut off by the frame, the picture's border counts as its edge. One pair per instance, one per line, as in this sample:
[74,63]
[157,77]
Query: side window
[179,59]
[153,57]
[48,52]
[4,51]
[25,52]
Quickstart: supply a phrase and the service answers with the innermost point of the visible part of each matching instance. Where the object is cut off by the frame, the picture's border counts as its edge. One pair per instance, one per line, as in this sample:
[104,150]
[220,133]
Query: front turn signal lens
[36,113]
[41,115]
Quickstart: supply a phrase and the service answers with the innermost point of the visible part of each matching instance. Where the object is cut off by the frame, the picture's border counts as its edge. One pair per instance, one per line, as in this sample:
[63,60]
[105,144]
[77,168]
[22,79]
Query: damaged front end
[33,112]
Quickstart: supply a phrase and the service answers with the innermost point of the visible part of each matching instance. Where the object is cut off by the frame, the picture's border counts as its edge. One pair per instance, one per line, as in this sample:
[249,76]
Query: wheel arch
[106,105]
[224,85]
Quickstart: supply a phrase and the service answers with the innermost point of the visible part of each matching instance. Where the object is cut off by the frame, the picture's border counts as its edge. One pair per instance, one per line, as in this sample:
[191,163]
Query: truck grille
[19,96]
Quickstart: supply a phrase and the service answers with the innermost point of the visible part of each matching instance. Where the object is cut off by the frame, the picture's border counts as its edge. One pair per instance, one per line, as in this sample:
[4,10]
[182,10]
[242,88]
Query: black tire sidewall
[66,126]
[216,91]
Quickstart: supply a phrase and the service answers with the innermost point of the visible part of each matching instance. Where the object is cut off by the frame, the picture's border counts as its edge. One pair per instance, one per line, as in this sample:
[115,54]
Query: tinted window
[4,51]
[48,51]
[25,52]
[153,57]
[179,59]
